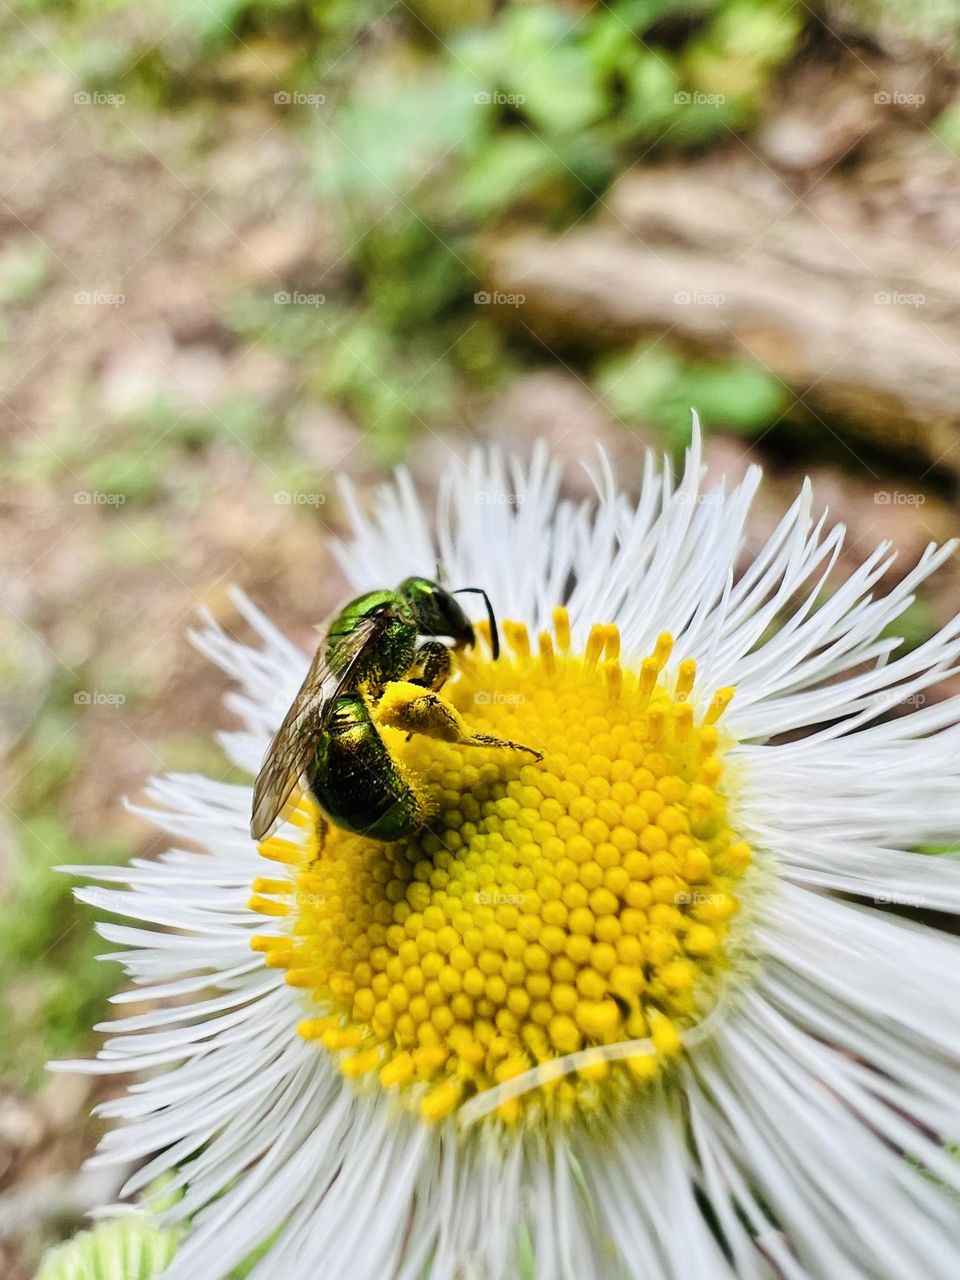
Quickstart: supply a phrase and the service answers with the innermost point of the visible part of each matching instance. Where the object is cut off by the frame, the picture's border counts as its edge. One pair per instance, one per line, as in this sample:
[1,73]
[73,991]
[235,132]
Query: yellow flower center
[557,930]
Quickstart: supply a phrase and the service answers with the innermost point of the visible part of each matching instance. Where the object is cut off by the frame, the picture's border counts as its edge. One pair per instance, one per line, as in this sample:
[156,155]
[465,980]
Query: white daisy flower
[637,1009]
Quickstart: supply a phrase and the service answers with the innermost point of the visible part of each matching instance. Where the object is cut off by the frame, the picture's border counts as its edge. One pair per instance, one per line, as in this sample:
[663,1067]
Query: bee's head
[439,614]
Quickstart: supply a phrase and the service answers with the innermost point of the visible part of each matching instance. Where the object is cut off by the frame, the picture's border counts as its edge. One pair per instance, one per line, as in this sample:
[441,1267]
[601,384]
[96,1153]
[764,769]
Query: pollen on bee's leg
[405,706]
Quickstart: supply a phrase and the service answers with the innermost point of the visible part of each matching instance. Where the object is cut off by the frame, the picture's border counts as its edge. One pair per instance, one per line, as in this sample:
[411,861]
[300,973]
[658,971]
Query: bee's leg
[404,705]
[321,831]
[431,666]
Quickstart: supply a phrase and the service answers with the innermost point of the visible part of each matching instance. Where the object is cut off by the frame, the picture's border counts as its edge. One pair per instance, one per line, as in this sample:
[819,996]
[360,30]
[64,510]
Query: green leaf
[633,383]
[507,167]
[607,41]
[742,397]
[383,144]
[758,29]
[526,32]
[659,385]
[562,91]
[651,86]
[913,627]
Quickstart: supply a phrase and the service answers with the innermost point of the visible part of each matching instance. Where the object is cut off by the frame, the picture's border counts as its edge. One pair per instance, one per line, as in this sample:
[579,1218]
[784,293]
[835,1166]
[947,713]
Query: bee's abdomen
[357,783]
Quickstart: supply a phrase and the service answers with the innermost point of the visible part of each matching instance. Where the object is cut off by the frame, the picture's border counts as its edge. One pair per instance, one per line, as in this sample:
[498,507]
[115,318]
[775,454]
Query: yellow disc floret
[550,937]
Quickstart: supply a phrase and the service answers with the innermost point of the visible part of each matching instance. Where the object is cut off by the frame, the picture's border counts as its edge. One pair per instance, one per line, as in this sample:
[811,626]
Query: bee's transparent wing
[296,741]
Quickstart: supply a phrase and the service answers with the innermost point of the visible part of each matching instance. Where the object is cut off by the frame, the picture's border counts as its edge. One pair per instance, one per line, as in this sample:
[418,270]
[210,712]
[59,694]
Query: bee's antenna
[494,633]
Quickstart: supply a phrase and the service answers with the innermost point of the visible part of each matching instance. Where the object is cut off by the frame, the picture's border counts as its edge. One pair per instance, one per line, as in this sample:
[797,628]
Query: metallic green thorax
[418,607]
[390,658]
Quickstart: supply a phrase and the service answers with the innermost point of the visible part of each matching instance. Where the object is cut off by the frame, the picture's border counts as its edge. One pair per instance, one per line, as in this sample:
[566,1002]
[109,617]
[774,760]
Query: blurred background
[249,246]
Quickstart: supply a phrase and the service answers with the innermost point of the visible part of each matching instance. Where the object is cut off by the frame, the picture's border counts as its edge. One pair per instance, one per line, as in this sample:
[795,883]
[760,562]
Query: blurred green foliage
[54,988]
[947,127]
[658,384]
[914,626]
[24,266]
[442,124]
[529,117]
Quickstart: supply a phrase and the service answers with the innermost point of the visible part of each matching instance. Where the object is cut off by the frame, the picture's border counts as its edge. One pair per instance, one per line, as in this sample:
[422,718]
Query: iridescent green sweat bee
[370,660]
